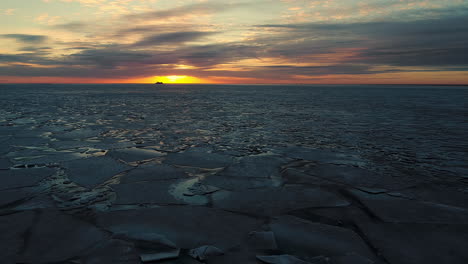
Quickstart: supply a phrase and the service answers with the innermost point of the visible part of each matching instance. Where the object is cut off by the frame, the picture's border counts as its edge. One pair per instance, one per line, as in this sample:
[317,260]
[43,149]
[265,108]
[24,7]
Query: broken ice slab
[158,256]
[5,145]
[409,243]
[357,177]
[186,226]
[146,239]
[77,134]
[199,158]
[282,259]
[5,163]
[238,183]
[38,201]
[192,192]
[48,158]
[12,230]
[200,189]
[134,154]
[399,210]
[454,193]
[205,252]
[24,121]
[351,259]
[263,240]
[112,251]
[154,192]
[56,237]
[92,171]
[153,172]
[249,172]
[70,144]
[305,239]
[322,156]
[14,196]
[151,246]
[296,176]
[275,201]
[16,178]
[28,141]
[258,166]
[103,144]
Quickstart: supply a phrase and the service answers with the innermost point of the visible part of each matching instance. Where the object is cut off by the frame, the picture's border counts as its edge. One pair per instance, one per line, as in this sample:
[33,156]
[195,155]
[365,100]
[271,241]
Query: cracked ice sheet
[153,172]
[154,192]
[54,236]
[357,177]
[306,239]
[16,178]
[322,156]
[77,134]
[186,226]
[134,154]
[12,228]
[275,201]
[200,158]
[398,210]
[92,171]
[249,172]
[5,163]
[113,251]
[13,196]
[409,243]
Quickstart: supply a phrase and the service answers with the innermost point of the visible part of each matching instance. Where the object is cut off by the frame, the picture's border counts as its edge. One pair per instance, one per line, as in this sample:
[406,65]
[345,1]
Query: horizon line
[413,84]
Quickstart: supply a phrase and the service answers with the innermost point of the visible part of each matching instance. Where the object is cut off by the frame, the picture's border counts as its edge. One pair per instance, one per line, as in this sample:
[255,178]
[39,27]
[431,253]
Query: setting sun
[177,79]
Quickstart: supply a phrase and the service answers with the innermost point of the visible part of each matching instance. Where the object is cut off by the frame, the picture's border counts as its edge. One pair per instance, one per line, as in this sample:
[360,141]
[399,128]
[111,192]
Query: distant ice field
[399,130]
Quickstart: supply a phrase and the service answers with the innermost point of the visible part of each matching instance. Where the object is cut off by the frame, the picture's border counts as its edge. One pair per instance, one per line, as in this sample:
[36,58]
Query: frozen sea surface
[333,174]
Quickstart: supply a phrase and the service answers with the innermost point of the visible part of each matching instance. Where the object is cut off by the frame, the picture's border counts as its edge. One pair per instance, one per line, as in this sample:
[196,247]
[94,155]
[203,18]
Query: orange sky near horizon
[238,42]
[444,78]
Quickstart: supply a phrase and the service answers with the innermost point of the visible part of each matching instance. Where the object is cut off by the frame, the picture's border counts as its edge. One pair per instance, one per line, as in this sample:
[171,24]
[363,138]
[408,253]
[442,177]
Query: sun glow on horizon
[176,79]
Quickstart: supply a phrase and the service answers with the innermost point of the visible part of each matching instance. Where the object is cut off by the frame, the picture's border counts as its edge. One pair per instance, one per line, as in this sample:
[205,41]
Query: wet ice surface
[233,174]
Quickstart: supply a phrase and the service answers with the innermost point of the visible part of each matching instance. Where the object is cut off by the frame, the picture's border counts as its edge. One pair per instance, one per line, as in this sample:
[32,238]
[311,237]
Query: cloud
[428,42]
[128,47]
[25,38]
[211,55]
[73,26]
[187,10]
[173,37]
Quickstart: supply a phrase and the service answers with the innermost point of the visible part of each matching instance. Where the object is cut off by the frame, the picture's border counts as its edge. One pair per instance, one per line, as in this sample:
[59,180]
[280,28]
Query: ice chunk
[186,226]
[399,210]
[5,163]
[92,171]
[113,251]
[263,240]
[16,178]
[12,230]
[323,156]
[199,159]
[134,154]
[205,252]
[409,243]
[149,257]
[307,239]
[282,259]
[274,201]
[153,172]
[56,237]
[155,192]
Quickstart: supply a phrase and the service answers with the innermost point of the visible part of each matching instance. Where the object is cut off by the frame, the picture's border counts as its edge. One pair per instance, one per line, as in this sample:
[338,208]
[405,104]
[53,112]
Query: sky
[234,41]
